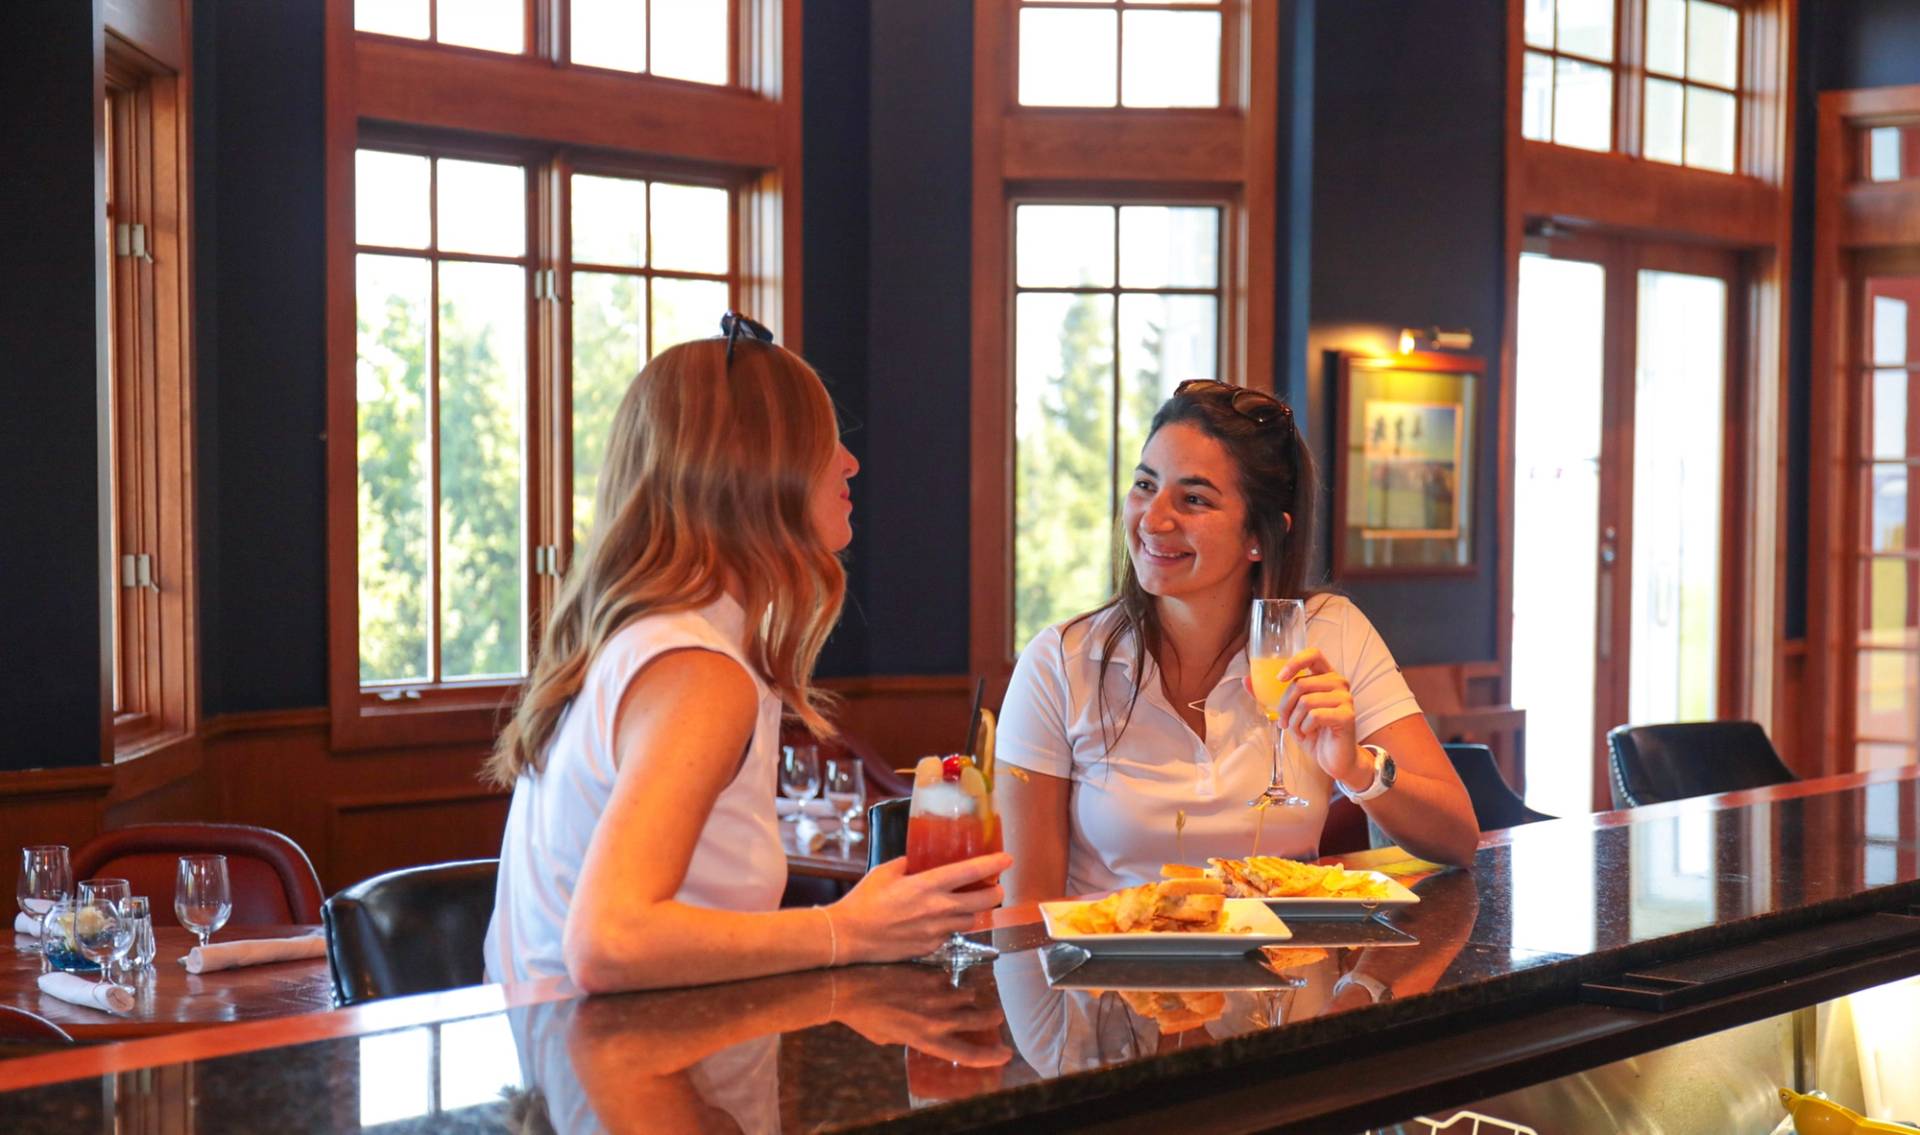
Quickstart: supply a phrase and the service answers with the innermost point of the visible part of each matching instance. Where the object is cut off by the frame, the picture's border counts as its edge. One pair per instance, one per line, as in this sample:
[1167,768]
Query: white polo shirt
[1123,802]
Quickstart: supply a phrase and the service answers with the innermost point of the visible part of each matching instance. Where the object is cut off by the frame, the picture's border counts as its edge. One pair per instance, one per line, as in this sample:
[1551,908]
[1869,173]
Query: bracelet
[833,937]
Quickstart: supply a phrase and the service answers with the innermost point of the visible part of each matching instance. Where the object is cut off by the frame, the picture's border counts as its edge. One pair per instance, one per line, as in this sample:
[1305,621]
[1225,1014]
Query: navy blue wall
[1408,226]
[50,686]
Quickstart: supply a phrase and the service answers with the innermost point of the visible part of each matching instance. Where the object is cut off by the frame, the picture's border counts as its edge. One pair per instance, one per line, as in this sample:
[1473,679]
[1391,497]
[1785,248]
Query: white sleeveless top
[737,864]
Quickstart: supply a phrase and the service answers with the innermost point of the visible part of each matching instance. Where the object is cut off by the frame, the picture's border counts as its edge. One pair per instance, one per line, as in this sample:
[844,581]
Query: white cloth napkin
[77,990]
[259,951]
[817,808]
[24,923]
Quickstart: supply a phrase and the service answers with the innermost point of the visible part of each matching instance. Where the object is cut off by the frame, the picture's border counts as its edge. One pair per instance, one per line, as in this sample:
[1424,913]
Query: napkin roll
[255,952]
[24,923]
[74,990]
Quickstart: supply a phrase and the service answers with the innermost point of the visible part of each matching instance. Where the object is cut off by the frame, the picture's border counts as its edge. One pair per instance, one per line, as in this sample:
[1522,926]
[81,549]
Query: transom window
[1102,53]
[490,25]
[674,39]
[1890,153]
[1687,102]
[1692,92]
[1114,305]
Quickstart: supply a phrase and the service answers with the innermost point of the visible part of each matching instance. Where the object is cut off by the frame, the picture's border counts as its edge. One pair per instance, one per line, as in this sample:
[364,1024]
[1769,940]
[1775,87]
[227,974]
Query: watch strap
[1383,776]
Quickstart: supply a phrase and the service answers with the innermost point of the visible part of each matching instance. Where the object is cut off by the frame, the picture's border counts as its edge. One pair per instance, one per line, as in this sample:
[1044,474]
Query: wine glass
[102,933]
[114,891]
[45,875]
[846,790]
[950,819]
[799,775]
[202,899]
[1277,633]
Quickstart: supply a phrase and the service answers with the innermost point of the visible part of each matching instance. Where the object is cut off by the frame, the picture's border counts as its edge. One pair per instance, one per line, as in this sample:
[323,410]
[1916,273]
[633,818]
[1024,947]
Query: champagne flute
[799,775]
[45,874]
[103,934]
[846,790]
[202,899]
[1278,632]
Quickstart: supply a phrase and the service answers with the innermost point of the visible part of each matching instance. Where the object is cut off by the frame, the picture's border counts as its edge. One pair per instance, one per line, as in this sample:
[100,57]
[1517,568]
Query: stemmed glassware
[102,933]
[1278,632]
[202,899]
[799,775]
[846,790]
[45,875]
[115,891]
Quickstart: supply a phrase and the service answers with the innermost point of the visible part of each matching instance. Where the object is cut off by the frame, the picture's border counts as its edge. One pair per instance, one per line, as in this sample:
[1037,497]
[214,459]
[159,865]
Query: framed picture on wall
[1407,429]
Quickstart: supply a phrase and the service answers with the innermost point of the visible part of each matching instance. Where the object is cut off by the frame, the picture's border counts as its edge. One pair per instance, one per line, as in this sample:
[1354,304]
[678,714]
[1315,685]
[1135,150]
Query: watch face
[1388,771]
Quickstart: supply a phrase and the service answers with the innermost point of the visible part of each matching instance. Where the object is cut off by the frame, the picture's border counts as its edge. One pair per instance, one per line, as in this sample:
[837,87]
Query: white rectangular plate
[1397,897]
[1249,924]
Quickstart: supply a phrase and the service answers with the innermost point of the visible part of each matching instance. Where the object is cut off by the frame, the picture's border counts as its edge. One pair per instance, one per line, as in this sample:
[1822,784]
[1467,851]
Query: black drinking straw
[973,718]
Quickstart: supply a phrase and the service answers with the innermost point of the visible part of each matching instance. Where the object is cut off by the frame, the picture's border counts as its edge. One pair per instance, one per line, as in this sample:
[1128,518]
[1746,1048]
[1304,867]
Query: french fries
[1268,876]
[1189,902]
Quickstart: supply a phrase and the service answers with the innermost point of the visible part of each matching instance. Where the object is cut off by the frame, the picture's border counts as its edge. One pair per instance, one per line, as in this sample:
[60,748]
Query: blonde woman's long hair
[709,471]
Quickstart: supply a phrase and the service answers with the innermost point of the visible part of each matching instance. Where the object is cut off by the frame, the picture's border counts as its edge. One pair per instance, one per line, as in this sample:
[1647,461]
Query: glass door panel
[1557,435]
[1679,402]
[1886,582]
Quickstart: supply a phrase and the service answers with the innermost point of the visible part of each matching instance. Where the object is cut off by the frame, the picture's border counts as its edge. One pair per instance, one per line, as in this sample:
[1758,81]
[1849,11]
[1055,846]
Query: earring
[1253,553]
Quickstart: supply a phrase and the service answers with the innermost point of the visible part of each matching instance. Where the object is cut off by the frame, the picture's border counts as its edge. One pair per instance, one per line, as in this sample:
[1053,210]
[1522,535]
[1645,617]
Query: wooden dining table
[171,1000]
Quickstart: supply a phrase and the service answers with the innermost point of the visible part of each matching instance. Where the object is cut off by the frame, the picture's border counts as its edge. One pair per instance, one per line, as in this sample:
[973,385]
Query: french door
[1626,468]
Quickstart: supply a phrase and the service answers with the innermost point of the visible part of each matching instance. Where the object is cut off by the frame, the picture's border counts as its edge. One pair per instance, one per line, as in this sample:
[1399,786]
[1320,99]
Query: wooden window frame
[1859,226]
[1749,213]
[146,387]
[1626,125]
[388,92]
[1213,155]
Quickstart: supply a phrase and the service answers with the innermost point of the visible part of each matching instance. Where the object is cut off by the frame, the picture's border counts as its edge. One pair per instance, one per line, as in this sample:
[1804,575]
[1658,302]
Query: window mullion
[434,583]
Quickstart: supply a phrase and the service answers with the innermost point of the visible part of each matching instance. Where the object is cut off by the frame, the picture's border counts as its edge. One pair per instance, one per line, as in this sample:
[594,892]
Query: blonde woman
[642,848]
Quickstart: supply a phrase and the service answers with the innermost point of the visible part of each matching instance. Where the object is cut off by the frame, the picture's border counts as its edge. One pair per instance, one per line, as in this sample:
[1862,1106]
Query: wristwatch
[1384,773]
[1377,989]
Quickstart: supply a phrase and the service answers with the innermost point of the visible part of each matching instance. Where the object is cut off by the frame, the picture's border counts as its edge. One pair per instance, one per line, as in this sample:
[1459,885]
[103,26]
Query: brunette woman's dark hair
[1280,485]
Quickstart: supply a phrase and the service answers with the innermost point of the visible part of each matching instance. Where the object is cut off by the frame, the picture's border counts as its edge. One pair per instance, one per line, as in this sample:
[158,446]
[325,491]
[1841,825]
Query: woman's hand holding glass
[1318,709]
[892,916]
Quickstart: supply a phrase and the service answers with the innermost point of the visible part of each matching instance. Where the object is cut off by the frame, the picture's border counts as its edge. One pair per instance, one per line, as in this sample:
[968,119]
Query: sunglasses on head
[733,325]
[1256,406]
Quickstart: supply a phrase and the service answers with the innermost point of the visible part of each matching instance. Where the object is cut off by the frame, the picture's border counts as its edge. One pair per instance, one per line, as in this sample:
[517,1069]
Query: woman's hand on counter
[891,916]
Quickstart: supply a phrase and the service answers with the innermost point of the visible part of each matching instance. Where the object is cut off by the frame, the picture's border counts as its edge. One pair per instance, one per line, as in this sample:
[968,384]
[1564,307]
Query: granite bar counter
[1570,943]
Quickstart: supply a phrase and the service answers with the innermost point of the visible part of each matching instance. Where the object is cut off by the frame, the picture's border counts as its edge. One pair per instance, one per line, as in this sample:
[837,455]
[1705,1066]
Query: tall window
[510,265]
[1101,284]
[147,551]
[442,290]
[1582,55]
[1113,306]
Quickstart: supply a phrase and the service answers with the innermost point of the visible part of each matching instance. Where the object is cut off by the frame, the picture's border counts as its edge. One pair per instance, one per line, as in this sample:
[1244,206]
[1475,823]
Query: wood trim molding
[522,96]
[1629,195]
[93,780]
[263,721]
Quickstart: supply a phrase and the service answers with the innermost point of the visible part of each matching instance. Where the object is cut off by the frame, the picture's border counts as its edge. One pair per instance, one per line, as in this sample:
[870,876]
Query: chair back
[1344,831]
[272,880]
[1655,763]
[887,830]
[416,930]
[1495,806]
[20,1026]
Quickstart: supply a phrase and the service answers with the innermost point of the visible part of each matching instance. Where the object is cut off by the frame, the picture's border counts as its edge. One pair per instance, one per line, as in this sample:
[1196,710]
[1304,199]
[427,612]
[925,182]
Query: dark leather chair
[19,1026]
[416,930]
[1654,763]
[887,830]
[1345,829]
[1495,806]
[272,880]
